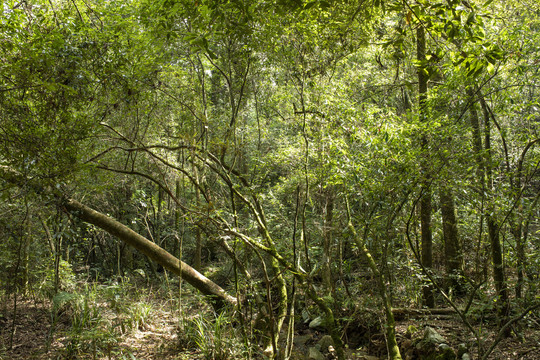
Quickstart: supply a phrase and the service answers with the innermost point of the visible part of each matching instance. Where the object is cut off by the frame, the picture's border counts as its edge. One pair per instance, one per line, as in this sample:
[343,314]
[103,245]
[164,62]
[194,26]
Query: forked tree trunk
[390,326]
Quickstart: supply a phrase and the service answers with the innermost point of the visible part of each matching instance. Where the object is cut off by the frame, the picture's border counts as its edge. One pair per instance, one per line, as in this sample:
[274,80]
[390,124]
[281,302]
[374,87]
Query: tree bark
[197,258]
[327,241]
[390,326]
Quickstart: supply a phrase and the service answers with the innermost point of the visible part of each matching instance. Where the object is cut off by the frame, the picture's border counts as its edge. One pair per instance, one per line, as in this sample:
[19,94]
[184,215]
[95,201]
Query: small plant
[89,332]
[211,337]
[138,315]
[113,294]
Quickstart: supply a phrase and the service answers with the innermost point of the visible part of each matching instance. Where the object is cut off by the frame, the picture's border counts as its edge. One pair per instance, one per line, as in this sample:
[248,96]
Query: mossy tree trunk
[150,249]
[327,241]
[393,348]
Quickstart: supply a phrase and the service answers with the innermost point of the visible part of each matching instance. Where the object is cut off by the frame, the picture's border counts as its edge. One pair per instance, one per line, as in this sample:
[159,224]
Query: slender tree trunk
[197,260]
[485,180]
[427,244]
[425,201]
[494,231]
[525,233]
[27,239]
[517,231]
[157,227]
[452,247]
[390,325]
[327,241]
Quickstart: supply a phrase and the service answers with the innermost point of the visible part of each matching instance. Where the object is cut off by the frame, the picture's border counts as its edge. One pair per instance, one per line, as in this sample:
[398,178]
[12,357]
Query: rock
[433,346]
[462,349]
[302,340]
[432,337]
[368,357]
[325,342]
[317,323]
[446,353]
[314,354]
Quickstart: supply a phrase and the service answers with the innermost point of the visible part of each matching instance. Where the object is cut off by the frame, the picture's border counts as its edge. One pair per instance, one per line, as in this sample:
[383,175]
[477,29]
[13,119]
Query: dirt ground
[28,337]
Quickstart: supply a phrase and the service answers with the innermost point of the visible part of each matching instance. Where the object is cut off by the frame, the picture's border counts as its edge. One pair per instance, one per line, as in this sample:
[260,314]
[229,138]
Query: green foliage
[214,337]
[88,332]
[99,315]
[239,122]
[66,279]
[138,315]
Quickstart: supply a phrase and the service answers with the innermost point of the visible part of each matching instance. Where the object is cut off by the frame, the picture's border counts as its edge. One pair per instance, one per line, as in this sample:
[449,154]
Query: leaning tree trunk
[150,249]
[130,237]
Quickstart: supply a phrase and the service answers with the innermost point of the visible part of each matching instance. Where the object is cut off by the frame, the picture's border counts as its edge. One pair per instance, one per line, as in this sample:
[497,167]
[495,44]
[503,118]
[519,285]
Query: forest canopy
[310,167]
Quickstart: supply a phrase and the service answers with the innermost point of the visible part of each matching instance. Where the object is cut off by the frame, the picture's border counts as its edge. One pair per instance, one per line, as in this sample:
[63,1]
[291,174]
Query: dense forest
[237,179]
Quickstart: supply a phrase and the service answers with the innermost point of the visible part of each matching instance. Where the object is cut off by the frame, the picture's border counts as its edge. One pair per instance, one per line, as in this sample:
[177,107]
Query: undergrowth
[99,314]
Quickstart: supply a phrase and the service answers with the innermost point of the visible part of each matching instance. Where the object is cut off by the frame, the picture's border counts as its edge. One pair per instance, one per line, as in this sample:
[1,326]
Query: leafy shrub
[66,279]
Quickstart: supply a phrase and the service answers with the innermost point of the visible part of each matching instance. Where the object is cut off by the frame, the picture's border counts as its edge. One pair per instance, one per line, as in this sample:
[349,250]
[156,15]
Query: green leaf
[309,5]
[324,5]
[471,18]
[212,55]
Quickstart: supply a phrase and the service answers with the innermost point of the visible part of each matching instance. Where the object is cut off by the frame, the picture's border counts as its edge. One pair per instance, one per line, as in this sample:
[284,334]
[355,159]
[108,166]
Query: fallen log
[402,313]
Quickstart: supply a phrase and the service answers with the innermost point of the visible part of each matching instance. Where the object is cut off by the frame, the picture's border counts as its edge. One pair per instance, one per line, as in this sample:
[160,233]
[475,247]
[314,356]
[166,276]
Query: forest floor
[158,336]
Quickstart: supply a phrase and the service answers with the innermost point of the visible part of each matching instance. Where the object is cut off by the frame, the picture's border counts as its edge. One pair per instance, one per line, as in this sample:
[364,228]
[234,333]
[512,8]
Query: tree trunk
[197,259]
[130,237]
[150,249]
[425,201]
[485,180]
[393,348]
[327,241]
[493,229]
[390,325]
[452,248]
